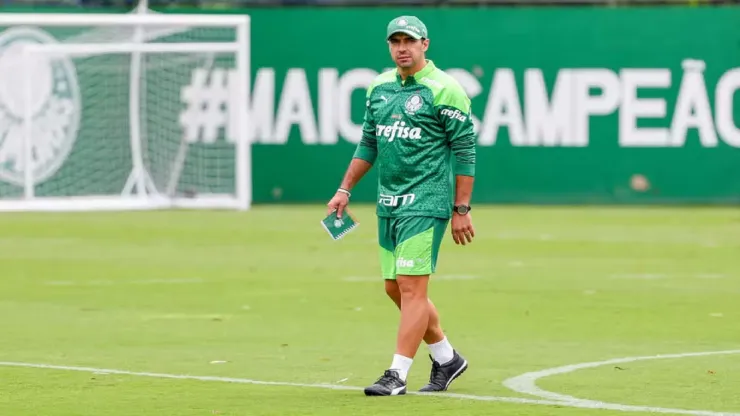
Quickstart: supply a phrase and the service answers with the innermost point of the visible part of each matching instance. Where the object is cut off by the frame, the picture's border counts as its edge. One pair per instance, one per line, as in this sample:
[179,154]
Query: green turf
[268,292]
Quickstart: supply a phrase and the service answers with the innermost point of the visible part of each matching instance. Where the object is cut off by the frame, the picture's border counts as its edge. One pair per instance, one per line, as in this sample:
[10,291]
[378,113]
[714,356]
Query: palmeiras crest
[45,87]
[413,104]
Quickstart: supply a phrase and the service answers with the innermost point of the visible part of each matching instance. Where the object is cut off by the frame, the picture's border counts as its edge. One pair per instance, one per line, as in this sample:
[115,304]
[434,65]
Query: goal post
[124,111]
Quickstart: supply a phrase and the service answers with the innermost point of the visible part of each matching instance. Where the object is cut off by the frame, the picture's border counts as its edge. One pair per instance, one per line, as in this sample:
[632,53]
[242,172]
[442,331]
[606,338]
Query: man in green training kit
[418,133]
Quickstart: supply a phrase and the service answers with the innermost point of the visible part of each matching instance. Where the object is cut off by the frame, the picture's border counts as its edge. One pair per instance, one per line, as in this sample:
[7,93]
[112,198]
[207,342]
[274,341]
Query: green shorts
[409,245]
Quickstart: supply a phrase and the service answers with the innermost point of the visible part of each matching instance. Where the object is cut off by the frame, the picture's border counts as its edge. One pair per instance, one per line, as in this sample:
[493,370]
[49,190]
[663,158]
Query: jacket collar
[412,79]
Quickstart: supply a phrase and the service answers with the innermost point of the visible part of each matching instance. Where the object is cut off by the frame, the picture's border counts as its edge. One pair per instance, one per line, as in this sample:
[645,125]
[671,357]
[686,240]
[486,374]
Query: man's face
[407,51]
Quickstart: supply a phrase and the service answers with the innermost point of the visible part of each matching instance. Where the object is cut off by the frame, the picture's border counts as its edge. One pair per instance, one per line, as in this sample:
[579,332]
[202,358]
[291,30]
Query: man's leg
[447,364]
[413,260]
[414,264]
[414,318]
[440,349]
[434,332]
[393,380]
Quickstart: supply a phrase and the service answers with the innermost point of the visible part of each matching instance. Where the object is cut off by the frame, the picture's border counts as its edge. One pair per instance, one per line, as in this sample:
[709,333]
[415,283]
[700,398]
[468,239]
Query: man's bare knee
[393,292]
[413,287]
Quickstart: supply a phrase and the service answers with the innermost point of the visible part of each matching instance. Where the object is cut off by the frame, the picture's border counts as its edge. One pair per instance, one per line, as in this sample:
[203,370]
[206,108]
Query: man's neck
[406,72]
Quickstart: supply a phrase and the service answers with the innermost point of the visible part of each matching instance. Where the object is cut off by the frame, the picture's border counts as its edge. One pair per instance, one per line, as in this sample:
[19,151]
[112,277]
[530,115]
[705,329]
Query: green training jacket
[418,134]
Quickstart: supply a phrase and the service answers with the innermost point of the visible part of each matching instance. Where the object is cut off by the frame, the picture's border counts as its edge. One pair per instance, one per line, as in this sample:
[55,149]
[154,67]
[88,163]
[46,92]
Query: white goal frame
[139,193]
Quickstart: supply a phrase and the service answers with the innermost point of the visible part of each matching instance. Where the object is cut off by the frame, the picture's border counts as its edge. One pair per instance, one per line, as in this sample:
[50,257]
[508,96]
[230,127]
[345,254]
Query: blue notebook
[338,228]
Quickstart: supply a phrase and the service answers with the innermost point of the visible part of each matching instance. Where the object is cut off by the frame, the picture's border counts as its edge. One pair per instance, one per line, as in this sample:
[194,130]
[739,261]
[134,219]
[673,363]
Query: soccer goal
[124,112]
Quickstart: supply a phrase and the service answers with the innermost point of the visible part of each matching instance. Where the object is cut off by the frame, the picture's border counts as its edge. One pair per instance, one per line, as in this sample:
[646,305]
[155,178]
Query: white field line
[646,276]
[684,239]
[527,384]
[522,384]
[173,281]
[263,383]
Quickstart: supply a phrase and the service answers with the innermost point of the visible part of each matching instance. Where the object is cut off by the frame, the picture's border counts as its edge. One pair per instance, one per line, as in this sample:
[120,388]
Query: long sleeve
[367,149]
[454,111]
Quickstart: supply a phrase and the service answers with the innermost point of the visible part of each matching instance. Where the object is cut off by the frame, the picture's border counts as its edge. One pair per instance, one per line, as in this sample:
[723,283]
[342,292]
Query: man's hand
[356,170]
[338,203]
[462,228]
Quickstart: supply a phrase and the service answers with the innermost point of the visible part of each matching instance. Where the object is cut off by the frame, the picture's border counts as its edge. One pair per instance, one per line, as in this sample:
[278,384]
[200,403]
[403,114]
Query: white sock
[402,365]
[442,351]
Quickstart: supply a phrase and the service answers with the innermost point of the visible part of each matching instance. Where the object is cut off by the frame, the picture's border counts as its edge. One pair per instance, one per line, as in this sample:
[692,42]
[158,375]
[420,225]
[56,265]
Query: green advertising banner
[571,105]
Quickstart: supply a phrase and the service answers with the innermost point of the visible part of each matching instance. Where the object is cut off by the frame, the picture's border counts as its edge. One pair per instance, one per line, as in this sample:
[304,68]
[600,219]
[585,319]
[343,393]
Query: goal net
[119,112]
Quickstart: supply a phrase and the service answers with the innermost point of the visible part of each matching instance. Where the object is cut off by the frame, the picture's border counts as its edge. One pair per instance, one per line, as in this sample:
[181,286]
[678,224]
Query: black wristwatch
[462,209]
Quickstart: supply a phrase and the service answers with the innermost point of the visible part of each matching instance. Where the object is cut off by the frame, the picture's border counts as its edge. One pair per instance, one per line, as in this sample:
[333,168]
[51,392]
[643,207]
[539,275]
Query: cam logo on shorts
[54,106]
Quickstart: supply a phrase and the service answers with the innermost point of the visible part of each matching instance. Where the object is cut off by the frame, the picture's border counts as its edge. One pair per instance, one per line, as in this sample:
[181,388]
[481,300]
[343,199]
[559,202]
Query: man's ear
[425,44]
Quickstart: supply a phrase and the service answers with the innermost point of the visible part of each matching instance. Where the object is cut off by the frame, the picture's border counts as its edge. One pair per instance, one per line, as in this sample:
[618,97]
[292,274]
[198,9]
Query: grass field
[266,296]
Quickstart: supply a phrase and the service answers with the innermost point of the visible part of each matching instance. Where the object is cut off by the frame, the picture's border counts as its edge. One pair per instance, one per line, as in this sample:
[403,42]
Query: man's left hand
[462,228]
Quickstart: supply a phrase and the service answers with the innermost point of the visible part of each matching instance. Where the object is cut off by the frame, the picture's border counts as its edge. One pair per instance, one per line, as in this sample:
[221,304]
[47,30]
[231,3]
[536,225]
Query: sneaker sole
[457,374]
[395,392]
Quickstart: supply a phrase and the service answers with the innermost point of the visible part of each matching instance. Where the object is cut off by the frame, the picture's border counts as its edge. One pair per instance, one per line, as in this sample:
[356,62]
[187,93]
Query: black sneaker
[390,384]
[443,375]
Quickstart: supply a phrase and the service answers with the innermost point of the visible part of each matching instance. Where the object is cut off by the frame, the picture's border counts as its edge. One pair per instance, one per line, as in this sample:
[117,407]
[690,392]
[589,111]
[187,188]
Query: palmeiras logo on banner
[55,106]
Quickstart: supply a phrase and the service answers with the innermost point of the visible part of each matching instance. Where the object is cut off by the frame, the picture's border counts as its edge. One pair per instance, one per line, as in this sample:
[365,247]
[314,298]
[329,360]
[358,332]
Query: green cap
[410,25]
